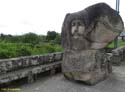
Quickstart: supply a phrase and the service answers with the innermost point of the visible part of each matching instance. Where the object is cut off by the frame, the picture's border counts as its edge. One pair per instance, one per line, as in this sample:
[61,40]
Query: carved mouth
[77,36]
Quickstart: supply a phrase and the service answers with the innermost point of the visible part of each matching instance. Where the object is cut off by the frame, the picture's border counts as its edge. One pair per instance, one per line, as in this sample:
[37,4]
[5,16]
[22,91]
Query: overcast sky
[39,16]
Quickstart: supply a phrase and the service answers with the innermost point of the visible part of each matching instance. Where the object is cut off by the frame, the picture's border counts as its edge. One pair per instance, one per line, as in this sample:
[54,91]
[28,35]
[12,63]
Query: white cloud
[22,16]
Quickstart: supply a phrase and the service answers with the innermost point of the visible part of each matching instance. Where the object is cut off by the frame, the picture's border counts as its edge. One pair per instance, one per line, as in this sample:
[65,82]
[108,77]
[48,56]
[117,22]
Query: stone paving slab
[57,83]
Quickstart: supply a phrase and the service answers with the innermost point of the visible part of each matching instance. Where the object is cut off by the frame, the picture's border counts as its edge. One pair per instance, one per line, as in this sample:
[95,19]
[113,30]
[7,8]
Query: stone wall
[118,55]
[16,68]
[7,65]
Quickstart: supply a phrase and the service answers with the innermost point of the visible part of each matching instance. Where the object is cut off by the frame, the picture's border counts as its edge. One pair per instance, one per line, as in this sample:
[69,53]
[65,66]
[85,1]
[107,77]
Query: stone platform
[57,83]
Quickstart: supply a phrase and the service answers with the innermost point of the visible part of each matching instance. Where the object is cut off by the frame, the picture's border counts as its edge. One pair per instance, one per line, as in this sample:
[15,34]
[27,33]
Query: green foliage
[30,38]
[7,50]
[120,43]
[46,48]
[23,51]
[58,39]
[29,44]
[51,35]
[4,54]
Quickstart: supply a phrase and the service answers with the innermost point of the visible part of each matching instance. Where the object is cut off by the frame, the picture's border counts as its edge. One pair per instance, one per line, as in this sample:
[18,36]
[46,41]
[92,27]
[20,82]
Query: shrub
[23,51]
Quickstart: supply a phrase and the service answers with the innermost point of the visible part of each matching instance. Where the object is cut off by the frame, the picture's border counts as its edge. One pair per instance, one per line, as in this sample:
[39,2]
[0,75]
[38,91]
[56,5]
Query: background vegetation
[120,43]
[29,44]
[33,44]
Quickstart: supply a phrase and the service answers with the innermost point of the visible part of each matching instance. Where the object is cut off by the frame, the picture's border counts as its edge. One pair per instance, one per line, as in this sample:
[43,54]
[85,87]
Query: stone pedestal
[89,66]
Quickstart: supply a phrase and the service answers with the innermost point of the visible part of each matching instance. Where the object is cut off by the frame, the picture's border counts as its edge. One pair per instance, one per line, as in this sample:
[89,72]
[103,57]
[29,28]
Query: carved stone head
[92,28]
[84,35]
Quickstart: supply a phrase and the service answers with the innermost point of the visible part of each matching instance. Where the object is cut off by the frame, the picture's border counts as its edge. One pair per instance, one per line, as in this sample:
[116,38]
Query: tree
[31,38]
[58,39]
[51,35]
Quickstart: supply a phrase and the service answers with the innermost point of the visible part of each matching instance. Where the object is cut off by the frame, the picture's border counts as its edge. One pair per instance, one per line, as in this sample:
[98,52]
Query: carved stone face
[77,28]
[79,42]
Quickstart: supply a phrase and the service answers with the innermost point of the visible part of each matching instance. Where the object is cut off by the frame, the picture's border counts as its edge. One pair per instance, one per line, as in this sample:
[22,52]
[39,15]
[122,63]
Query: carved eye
[73,24]
[79,24]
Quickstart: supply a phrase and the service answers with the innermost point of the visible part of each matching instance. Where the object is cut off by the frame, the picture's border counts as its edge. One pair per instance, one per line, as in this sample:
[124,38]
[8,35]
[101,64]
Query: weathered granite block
[85,36]
[89,66]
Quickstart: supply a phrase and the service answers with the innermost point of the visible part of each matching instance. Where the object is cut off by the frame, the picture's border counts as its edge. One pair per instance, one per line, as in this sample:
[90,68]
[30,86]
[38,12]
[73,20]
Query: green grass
[120,43]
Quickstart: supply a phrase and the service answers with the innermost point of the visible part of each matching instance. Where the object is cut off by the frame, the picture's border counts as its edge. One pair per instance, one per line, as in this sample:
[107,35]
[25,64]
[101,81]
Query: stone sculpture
[85,34]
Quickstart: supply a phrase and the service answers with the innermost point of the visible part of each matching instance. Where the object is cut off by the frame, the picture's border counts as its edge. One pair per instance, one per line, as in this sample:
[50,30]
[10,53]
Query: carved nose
[76,29]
